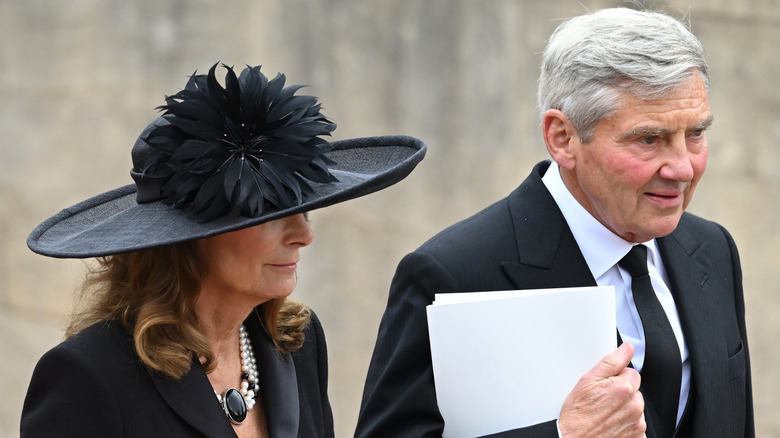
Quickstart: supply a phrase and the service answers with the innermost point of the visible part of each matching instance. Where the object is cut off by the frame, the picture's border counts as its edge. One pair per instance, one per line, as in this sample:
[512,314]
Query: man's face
[638,173]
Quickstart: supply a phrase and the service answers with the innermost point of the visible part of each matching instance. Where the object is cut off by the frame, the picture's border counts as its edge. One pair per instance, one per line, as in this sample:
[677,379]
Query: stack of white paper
[504,360]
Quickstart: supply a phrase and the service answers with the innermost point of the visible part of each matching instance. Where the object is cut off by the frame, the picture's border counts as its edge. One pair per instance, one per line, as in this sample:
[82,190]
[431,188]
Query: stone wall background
[79,80]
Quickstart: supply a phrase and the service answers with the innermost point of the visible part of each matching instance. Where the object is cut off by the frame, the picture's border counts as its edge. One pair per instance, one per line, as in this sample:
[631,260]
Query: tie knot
[635,262]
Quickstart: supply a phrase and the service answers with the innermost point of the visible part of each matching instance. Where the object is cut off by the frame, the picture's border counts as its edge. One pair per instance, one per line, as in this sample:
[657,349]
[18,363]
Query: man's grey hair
[591,58]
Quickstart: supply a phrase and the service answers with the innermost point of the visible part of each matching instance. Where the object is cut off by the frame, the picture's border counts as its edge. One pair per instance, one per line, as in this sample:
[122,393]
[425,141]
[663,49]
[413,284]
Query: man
[624,102]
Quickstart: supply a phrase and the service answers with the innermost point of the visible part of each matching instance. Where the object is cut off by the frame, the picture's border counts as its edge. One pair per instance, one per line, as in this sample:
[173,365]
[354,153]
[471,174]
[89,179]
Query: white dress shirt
[602,250]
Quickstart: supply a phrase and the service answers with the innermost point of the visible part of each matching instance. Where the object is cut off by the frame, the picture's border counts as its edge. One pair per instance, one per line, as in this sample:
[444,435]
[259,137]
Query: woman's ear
[559,135]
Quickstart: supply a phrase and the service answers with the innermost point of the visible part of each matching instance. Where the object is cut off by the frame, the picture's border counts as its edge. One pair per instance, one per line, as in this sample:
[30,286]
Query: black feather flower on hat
[240,149]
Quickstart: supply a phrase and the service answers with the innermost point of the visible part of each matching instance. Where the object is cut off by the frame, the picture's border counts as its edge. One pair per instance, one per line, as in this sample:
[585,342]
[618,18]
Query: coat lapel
[278,383]
[194,400]
[192,397]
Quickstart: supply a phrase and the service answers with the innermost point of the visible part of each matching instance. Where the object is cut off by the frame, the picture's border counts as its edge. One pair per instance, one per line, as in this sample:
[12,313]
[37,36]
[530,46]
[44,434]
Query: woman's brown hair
[152,292]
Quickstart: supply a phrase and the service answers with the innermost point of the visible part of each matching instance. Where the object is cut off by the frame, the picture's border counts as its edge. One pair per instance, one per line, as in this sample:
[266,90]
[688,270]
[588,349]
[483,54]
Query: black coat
[523,242]
[94,385]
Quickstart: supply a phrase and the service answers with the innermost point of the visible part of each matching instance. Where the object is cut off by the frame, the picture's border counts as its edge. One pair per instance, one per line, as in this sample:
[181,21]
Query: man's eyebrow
[703,126]
[642,131]
[649,131]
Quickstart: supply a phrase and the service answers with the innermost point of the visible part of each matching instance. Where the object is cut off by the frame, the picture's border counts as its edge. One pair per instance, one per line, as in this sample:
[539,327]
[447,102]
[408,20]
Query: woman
[186,329]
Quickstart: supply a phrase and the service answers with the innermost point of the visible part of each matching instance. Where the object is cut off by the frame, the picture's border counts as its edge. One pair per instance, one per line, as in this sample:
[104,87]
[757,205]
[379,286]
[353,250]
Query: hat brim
[113,222]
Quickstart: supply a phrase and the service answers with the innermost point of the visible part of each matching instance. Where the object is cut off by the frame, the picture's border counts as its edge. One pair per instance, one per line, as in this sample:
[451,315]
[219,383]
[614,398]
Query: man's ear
[559,135]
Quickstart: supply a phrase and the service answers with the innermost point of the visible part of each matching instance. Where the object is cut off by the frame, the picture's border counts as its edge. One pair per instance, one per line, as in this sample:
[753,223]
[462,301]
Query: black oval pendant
[234,405]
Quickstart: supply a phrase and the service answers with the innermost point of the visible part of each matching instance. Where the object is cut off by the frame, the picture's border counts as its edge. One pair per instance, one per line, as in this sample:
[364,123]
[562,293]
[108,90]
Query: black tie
[662,369]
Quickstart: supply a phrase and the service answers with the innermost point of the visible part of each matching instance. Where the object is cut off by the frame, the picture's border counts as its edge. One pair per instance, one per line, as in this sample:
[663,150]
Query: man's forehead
[687,106]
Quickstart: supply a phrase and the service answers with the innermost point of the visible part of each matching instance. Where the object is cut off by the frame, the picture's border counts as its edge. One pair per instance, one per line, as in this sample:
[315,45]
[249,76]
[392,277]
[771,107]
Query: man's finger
[612,364]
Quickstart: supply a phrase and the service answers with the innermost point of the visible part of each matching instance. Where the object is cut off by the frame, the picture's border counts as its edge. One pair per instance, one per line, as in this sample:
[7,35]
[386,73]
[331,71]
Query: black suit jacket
[94,385]
[523,242]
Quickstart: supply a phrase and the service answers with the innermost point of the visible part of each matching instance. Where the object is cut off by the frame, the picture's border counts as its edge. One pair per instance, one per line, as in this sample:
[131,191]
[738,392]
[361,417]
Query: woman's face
[256,263]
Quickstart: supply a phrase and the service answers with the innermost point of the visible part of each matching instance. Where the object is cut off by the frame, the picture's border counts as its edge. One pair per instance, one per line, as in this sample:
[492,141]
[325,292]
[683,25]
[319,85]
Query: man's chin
[663,227]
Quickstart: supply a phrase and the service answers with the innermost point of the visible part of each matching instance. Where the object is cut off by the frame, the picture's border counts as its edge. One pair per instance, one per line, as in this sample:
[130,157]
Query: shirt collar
[601,247]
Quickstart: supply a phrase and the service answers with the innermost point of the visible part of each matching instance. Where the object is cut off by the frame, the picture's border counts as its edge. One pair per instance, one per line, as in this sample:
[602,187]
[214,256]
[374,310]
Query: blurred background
[80,79]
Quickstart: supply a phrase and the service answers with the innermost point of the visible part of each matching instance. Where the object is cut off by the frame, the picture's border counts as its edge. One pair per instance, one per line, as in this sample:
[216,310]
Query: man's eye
[697,133]
[649,140]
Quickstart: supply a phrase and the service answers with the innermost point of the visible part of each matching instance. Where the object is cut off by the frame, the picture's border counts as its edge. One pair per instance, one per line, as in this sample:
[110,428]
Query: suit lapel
[194,400]
[689,276]
[548,255]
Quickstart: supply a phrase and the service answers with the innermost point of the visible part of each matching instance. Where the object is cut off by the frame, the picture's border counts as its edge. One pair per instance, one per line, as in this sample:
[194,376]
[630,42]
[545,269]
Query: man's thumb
[613,363]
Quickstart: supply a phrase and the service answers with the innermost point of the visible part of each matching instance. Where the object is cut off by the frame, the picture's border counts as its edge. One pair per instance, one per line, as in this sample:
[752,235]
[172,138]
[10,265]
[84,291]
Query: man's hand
[606,401]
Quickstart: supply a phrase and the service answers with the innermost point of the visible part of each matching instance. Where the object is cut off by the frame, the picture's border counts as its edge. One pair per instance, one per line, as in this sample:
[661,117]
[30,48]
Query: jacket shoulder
[77,380]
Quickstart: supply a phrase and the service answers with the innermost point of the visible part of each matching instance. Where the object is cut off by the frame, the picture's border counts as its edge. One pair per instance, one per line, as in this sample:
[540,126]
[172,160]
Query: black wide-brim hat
[140,216]
[113,222]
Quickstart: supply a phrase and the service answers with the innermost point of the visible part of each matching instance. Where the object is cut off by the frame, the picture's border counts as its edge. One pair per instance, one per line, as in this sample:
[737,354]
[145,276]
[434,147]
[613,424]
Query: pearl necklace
[236,403]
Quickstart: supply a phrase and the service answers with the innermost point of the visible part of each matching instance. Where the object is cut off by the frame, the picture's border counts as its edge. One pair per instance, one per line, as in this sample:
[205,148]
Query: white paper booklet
[508,359]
